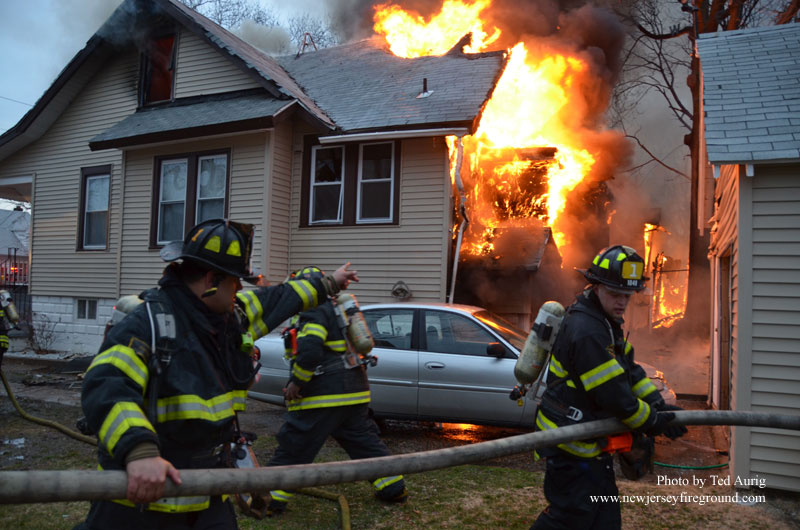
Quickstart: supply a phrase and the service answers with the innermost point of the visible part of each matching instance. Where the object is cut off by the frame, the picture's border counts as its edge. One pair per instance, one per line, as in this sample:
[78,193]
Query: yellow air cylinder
[357,330]
[540,341]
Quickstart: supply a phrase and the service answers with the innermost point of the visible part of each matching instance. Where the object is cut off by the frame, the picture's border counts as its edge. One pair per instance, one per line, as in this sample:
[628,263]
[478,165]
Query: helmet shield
[619,267]
[221,244]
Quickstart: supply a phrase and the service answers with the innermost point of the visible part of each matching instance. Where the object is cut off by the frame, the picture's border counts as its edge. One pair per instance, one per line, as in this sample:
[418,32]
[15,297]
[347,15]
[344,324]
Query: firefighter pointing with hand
[592,375]
[163,392]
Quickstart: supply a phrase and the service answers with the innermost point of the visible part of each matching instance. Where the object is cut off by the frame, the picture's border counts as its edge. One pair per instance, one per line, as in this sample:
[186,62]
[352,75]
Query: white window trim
[86,212]
[160,202]
[389,219]
[340,216]
[197,186]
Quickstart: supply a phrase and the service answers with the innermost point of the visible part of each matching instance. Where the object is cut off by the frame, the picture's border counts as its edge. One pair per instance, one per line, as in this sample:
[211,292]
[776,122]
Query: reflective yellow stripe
[127,361]
[330,400]
[314,330]
[281,495]
[637,419]
[581,449]
[124,415]
[254,312]
[596,259]
[599,375]
[621,256]
[234,249]
[556,368]
[628,347]
[604,264]
[301,373]
[386,481]
[173,504]
[644,387]
[193,407]
[306,292]
[336,345]
[213,244]
[571,384]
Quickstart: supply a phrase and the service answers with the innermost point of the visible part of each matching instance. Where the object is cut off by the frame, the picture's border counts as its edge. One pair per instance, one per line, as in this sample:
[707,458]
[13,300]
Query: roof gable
[751,94]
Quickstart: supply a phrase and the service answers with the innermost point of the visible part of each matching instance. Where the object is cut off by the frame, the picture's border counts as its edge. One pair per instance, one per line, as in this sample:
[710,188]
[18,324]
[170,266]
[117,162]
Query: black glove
[663,426]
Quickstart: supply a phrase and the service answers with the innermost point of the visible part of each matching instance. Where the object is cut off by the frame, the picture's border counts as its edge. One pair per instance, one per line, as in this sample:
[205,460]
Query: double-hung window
[95,198]
[354,183]
[189,189]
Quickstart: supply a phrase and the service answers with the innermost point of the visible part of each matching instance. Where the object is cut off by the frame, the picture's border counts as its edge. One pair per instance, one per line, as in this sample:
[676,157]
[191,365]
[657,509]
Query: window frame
[144,64]
[192,189]
[350,199]
[86,174]
[360,182]
[312,184]
[87,303]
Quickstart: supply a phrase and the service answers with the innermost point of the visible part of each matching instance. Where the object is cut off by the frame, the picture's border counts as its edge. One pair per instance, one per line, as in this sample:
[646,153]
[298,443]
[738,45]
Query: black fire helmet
[618,267]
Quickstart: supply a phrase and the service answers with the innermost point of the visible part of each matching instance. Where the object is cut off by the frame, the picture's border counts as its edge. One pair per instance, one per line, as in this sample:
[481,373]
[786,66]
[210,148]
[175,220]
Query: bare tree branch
[655,158]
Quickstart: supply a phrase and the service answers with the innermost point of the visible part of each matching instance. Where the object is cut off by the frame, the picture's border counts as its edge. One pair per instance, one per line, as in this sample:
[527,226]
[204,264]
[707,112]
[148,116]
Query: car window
[506,329]
[390,328]
[451,333]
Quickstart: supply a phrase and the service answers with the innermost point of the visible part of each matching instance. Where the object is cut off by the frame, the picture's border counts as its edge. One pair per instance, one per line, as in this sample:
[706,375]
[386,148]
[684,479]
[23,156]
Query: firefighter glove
[664,426]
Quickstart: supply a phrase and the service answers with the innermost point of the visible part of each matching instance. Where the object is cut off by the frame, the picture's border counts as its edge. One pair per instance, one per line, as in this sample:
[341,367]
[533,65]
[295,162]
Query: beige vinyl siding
[55,160]
[202,69]
[141,266]
[279,197]
[775,370]
[415,251]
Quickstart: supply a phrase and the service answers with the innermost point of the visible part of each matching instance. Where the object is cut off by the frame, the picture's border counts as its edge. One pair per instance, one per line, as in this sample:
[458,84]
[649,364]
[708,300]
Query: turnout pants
[305,431]
[569,484]
[106,515]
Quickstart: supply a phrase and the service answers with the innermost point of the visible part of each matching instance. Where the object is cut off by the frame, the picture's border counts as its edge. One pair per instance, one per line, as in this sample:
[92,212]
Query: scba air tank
[540,341]
[357,331]
[7,305]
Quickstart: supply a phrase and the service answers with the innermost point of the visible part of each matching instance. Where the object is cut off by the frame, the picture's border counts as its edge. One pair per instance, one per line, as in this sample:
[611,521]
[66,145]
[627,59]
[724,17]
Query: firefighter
[166,400]
[592,375]
[326,398]
[8,320]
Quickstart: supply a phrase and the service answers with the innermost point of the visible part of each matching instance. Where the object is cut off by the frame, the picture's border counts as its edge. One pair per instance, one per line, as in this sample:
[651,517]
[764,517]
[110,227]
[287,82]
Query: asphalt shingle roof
[153,120]
[363,86]
[751,94]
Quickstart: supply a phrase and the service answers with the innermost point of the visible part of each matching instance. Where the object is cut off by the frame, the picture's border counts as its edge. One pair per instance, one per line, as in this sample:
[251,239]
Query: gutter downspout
[462,210]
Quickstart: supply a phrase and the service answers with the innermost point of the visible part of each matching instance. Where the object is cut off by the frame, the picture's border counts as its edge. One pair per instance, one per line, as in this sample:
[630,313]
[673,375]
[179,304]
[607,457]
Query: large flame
[669,281]
[529,109]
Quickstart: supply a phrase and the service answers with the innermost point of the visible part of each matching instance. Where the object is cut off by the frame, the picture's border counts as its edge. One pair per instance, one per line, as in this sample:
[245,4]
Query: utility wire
[17,101]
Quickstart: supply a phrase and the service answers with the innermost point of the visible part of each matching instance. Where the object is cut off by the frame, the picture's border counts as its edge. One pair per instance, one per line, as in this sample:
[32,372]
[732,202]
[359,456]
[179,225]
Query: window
[158,70]
[450,333]
[375,177]
[95,193]
[350,184]
[188,189]
[87,309]
[327,181]
[390,328]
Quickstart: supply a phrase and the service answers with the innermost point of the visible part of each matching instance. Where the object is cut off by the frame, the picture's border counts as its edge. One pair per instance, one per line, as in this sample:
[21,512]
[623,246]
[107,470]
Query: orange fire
[507,187]
[669,281]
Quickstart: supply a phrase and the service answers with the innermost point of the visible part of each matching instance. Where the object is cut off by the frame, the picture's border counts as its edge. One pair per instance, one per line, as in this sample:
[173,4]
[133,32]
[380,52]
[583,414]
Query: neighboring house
[752,132]
[165,119]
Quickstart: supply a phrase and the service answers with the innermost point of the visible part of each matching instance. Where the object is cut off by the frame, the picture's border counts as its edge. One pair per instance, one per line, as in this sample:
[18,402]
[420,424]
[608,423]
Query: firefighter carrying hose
[327,396]
[592,375]
[163,392]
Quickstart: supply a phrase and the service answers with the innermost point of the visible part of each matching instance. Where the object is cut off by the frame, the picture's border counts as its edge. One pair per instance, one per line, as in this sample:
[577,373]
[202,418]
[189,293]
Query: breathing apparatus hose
[41,421]
[18,487]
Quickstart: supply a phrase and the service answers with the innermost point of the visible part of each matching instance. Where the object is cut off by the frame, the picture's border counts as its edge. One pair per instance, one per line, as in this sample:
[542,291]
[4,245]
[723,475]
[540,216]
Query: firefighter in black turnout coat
[157,410]
[592,375]
[326,398]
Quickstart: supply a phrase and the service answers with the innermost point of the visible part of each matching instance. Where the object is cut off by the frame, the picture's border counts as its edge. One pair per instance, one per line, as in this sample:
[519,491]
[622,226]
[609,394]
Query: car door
[458,380]
[393,381]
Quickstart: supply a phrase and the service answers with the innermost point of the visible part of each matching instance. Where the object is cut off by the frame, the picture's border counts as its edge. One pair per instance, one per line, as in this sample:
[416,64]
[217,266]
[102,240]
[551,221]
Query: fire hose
[19,487]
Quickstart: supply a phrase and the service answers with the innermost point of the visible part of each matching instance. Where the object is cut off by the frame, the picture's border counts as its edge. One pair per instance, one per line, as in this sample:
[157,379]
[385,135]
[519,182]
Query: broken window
[326,184]
[350,184]
[189,189]
[158,70]
[95,193]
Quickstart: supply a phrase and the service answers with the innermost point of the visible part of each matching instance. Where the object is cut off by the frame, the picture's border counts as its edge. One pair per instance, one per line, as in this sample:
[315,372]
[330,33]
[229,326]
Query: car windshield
[506,329]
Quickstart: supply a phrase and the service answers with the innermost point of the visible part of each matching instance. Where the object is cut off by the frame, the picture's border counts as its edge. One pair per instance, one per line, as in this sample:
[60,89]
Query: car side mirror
[495,349]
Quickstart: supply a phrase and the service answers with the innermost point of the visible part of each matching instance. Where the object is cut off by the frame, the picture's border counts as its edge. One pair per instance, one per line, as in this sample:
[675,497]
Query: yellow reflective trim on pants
[193,407]
[122,416]
[637,419]
[600,374]
[383,482]
[644,387]
[301,373]
[336,345]
[172,504]
[330,400]
[254,312]
[127,361]
[281,495]
[581,449]
[306,292]
[314,330]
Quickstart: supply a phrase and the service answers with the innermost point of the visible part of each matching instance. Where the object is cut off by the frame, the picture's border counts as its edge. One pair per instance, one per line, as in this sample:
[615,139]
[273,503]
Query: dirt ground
[52,389]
